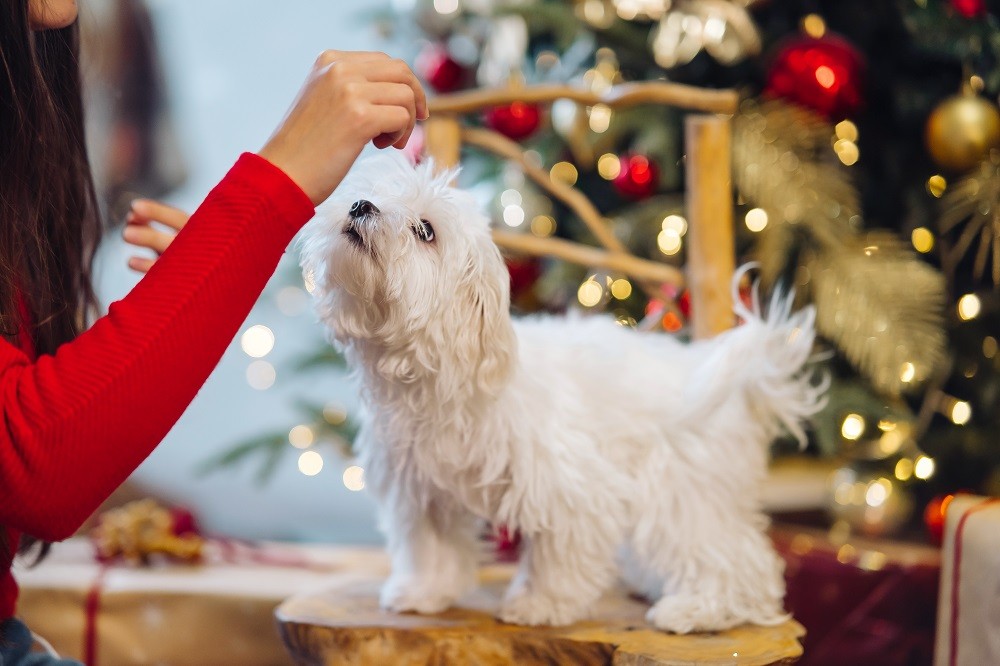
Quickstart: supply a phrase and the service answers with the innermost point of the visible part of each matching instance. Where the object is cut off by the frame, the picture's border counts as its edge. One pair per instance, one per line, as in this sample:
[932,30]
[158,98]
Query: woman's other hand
[348,100]
[139,229]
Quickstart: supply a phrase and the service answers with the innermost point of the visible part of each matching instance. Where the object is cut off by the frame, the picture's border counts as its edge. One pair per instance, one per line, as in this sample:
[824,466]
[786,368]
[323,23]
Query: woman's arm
[75,425]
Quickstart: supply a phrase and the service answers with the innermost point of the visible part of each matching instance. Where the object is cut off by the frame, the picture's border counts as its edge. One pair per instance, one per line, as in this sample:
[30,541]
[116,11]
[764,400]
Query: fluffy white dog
[608,449]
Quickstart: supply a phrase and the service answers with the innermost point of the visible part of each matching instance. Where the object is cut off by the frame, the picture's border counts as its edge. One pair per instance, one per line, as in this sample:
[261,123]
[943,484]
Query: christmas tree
[866,175]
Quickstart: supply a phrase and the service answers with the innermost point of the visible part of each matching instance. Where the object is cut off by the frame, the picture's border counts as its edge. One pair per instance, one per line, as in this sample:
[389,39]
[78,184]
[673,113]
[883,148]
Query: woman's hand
[348,100]
[140,232]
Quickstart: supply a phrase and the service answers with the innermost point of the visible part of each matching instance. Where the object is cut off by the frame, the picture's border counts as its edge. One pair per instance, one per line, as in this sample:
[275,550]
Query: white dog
[608,449]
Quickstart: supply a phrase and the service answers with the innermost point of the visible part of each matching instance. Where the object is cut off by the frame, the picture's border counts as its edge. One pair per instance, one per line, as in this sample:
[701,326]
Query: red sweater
[75,424]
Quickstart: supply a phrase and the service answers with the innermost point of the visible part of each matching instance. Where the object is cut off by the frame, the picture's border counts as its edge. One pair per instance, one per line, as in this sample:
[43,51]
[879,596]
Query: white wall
[233,66]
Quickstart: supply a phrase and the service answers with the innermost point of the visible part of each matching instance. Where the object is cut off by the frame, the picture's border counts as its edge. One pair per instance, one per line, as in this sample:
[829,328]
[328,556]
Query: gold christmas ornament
[962,130]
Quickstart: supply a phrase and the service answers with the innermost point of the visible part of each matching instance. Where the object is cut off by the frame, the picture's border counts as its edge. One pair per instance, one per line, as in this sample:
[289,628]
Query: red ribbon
[955,577]
[92,609]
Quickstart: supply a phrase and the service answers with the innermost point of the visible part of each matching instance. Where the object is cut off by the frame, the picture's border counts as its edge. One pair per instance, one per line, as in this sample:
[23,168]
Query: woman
[79,411]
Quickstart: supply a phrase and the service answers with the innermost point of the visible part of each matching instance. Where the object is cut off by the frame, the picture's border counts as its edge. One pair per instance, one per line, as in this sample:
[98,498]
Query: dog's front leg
[434,555]
[560,577]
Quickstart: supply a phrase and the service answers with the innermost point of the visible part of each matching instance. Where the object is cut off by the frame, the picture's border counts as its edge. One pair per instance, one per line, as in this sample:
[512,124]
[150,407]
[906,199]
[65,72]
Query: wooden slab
[343,625]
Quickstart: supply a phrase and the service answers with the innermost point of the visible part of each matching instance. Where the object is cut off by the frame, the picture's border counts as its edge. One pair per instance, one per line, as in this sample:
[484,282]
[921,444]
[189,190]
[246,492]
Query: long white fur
[612,451]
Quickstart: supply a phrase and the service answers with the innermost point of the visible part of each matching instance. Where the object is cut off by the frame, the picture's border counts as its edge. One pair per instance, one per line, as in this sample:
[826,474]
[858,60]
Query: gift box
[214,613]
[863,602]
[969,613]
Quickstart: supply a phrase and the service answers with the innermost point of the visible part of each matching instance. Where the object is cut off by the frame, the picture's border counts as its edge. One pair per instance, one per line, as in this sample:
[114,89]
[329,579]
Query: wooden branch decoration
[641,269]
[572,197]
[628,94]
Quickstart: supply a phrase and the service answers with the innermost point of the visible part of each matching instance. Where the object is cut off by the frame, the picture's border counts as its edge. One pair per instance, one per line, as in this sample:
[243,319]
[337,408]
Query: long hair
[49,220]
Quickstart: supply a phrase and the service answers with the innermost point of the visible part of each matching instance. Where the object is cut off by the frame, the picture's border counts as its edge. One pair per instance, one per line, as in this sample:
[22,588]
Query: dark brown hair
[49,221]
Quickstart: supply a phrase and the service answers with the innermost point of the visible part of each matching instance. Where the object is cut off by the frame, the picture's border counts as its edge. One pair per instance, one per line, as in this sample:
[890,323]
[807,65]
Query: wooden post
[711,254]
[443,139]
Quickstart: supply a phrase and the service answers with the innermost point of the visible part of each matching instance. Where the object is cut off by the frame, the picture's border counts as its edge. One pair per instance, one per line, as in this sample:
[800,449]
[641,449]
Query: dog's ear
[485,339]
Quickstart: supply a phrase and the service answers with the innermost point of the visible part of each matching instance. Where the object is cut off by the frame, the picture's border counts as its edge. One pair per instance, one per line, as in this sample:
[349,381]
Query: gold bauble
[872,502]
[961,131]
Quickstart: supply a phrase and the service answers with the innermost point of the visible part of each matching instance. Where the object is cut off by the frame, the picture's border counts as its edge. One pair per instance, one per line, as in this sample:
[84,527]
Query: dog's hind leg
[718,578]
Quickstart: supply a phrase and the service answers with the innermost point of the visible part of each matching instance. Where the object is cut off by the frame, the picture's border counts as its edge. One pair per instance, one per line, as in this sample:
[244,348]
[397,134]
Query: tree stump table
[343,625]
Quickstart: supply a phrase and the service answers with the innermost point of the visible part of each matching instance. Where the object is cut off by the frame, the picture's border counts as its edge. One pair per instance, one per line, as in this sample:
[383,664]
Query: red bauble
[638,176]
[523,274]
[823,74]
[184,522]
[439,69]
[684,303]
[969,8]
[517,120]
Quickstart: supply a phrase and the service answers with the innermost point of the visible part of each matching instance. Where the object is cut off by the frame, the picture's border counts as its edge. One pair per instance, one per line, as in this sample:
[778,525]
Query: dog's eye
[424,231]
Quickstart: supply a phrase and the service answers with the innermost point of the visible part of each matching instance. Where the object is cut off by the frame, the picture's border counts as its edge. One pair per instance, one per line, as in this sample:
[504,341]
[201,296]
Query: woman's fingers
[394,94]
[145,236]
[145,211]
[396,71]
[141,264]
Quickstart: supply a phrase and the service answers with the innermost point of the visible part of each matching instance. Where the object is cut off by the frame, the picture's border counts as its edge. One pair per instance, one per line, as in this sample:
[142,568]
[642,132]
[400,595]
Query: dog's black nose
[362,208]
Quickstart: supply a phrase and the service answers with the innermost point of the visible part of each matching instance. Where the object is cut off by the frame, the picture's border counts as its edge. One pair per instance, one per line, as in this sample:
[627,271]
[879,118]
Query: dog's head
[405,268]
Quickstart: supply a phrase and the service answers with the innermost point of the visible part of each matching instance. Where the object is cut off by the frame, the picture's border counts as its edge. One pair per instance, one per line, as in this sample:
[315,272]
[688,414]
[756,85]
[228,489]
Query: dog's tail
[765,361]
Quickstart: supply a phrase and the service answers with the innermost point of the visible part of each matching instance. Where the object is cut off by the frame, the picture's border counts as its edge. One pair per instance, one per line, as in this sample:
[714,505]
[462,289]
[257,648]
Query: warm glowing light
[310,463]
[671,322]
[936,185]
[923,468]
[961,412]
[969,306]
[990,346]
[600,118]
[847,151]
[513,216]
[756,219]
[878,492]
[675,223]
[669,242]
[257,341]
[590,293]
[825,76]
[301,437]
[446,6]
[814,25]
[261,375]
[845,129]
[354,478]
[564,172]
[334,414]
[510,198]
[852,427]
[904,469]
[543,226]
[609,166]
[922,239]
[907,372]
[621,289]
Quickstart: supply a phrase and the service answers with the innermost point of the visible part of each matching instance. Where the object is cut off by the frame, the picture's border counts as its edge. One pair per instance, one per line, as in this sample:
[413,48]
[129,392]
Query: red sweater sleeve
[74,425]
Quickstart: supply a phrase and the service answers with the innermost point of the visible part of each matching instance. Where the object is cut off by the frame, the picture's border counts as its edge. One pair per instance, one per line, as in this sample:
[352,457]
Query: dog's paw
[684,613]
[401,595]
[537,609]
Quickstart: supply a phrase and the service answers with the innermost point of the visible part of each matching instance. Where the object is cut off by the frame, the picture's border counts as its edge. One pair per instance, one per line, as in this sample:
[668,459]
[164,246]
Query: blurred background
[866,174]
[180,89]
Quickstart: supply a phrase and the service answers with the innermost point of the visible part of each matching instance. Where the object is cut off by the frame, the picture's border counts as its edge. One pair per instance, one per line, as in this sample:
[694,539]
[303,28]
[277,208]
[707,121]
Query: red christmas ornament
[523,274]
[969,8]
[823,74]
[517,120]
[638,176]
[184,522]
[439,69]
[684,303]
